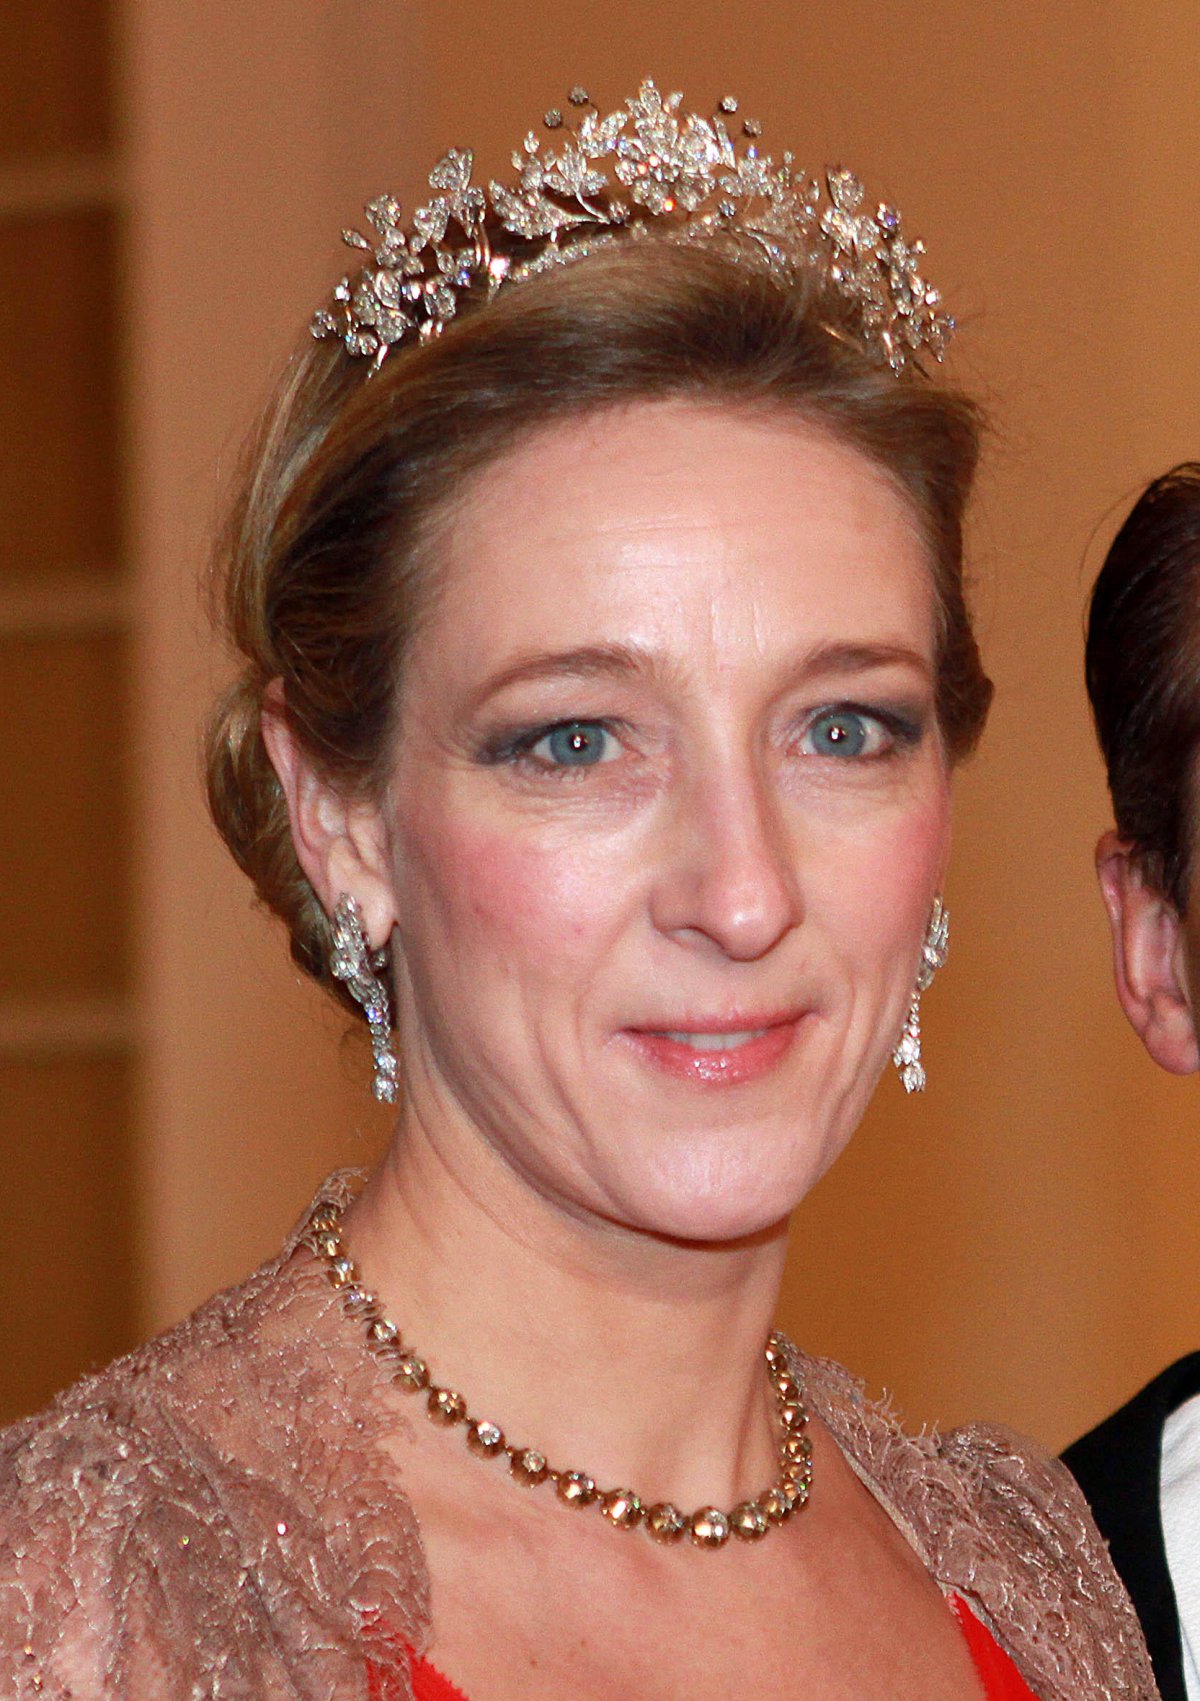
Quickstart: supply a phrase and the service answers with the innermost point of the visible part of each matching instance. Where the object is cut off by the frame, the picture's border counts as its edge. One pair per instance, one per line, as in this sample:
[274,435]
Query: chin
[721,1197]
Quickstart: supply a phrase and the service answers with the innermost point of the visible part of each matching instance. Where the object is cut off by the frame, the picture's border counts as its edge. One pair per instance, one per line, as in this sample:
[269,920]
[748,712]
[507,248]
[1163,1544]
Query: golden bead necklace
[708,1527]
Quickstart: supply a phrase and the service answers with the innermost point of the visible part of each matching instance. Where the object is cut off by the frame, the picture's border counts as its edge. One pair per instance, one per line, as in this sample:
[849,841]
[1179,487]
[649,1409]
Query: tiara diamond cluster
[645,171]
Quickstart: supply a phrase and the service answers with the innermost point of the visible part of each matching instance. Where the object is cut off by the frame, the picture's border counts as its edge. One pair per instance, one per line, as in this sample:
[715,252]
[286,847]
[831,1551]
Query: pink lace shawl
[210,1517]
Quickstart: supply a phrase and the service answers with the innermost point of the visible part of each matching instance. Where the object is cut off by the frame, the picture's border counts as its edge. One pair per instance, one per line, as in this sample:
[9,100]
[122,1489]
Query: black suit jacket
[1117,1465]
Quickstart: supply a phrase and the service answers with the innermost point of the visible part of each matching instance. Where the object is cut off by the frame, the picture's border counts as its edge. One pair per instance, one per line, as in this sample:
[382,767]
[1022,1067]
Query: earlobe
[1148,959]
[339,839]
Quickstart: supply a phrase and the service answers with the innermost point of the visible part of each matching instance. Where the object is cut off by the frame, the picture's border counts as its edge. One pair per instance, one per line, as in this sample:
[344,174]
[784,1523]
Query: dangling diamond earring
[907,1055]
[351,961]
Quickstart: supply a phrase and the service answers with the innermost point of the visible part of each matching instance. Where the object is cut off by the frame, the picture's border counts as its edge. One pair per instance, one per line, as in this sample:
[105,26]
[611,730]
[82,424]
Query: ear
[340,839]
[1148,959]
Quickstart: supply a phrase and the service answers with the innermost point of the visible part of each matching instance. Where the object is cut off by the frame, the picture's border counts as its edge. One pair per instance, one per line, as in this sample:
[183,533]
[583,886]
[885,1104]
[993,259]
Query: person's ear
[1148,958]
[340,839]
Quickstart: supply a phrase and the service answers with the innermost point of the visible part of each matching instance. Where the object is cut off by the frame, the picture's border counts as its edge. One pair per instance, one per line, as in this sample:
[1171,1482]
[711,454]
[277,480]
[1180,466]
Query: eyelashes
[845,733]
[556,747]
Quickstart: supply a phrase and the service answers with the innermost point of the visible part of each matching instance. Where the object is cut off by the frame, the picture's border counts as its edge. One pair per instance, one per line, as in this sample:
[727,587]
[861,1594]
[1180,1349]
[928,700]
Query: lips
[718,1054]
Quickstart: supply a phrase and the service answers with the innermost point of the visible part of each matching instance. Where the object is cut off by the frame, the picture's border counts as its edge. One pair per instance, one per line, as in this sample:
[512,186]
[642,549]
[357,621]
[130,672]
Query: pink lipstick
[717,1054]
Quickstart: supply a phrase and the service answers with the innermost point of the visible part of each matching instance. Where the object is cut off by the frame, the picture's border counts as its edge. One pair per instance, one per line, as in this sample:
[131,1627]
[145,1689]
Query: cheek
[916,857]
[524,899]
[884,884]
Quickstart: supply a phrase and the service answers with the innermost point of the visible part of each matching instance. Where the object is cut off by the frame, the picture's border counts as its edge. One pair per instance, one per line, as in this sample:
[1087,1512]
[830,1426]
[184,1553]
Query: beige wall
[1021,1242]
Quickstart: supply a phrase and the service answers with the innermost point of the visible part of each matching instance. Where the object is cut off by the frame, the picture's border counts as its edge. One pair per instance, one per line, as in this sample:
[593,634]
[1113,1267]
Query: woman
[600,599]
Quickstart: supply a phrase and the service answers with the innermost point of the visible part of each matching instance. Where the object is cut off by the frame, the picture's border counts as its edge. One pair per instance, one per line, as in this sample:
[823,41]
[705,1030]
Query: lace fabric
[1003,1525]
[212,1516]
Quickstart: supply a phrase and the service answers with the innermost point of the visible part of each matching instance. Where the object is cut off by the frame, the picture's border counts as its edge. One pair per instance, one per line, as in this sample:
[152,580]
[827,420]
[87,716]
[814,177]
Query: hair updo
[331,547]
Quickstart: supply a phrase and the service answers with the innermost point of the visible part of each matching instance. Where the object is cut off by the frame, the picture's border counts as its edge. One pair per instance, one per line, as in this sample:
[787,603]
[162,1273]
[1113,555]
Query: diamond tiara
[646,170]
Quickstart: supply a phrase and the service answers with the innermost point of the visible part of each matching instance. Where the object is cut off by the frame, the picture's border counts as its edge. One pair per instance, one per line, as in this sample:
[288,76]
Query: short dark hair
[1143,675]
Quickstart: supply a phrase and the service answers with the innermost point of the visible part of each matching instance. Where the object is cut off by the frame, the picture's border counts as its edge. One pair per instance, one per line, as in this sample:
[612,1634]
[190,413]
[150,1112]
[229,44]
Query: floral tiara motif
[645,170]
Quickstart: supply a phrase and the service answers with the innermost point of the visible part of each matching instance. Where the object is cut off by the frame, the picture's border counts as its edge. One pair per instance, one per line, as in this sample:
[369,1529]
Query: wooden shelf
[64,603]
[44,1031]
[66,184]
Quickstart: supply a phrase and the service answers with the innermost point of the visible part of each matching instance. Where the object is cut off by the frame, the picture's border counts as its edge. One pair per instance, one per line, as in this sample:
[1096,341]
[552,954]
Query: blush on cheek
[521,895]
[917,855]
[882,888]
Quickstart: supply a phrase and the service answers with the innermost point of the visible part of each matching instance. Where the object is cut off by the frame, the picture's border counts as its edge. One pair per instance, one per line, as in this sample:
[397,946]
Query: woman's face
[668,808]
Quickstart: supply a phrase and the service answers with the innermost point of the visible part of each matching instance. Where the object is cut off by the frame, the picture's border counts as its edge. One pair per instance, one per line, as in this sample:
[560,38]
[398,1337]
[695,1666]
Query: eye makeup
[900,728]
[574,735]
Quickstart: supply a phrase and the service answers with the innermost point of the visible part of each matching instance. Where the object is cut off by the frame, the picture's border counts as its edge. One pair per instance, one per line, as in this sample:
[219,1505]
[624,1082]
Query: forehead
[680,528]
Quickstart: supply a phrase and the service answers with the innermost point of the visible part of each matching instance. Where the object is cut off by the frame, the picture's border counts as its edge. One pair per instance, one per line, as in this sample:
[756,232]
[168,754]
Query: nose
[729,875]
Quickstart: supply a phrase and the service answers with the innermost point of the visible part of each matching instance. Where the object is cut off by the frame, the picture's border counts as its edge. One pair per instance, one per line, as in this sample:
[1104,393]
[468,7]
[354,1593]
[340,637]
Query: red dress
[1001,1679]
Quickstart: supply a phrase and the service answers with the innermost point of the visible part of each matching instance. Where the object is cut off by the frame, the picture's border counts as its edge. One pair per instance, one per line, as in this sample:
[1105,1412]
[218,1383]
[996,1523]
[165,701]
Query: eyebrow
[861,658]
[600,661]
[589,661]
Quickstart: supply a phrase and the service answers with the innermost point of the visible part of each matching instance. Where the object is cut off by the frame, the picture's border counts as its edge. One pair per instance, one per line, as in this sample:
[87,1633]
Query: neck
[633,1357]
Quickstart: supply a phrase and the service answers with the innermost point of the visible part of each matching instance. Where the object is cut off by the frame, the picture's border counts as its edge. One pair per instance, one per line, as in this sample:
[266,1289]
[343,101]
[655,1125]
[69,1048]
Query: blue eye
[844,732]
[575,744]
